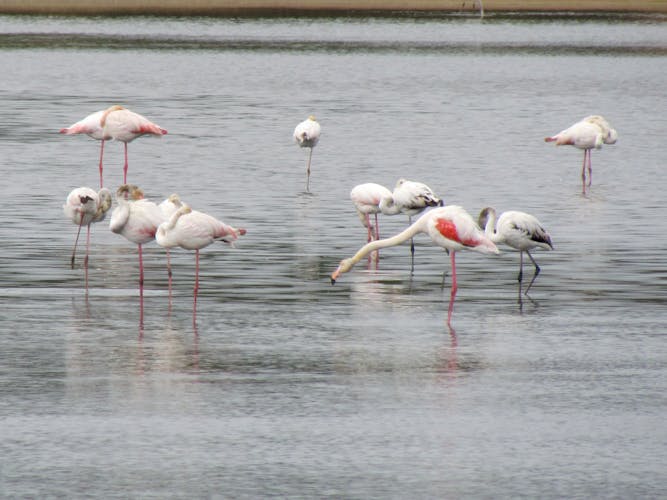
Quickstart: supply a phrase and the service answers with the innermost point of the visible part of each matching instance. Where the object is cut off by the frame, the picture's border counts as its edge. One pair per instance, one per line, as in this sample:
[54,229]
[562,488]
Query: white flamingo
[518,230]
[371,199]
[194,230]
[84,206]
[137,220]
[450,227]
[307,135]
[124,125]
[91,125]
[589,133]
[412,198]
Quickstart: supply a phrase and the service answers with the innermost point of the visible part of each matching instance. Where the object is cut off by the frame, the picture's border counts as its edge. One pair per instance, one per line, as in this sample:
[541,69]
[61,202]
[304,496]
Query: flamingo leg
[125,166]
[583,172]
[412,249]
[537,271]
[310,156]
[76,241]
[141,273]
[85,260]
[590,168]
[377,228]
[196,279]
[169,275]
[520,277]
[452,295]
[368,229]
[101,156]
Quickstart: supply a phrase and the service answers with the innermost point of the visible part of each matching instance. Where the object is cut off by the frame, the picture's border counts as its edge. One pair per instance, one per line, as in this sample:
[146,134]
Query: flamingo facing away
[591,132]
[371,198]
[307,135]
[83,207]
[450,227]
[193,230]
[168,207]
[412,198]
[91,125]
[124,125]
[518,230]
[136,219]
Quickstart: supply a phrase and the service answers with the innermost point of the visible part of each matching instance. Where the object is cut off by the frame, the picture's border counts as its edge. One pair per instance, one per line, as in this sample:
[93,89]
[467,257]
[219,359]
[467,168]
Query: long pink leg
[452,294]
[368,229]
[76,241]
[590,168]
[141,274]
[101,156]
[125,166]
[196,279]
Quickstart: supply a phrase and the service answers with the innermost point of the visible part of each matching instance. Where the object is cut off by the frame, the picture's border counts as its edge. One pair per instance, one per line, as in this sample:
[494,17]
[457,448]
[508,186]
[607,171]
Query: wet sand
[258,7]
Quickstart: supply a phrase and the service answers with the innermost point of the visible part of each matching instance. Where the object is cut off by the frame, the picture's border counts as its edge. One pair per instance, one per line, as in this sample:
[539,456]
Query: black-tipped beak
[333,281]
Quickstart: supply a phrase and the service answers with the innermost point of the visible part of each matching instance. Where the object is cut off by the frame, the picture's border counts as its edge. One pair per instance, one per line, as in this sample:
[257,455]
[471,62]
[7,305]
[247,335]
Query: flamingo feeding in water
[518,230]
[123,125]
[307,135]
[193,230]
[91,125]
[83,207]
[136,219]
[591,132]
[412,198]
[450,227]
[371,198]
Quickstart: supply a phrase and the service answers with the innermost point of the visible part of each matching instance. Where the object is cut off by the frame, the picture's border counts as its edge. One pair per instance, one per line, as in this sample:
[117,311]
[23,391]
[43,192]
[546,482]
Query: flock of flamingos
[173,223]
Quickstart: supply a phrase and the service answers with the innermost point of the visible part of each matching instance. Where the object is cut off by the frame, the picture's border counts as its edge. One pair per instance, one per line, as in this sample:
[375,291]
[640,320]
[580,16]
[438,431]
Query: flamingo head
[129,192]
[175,199]
[312,118]
[344,266]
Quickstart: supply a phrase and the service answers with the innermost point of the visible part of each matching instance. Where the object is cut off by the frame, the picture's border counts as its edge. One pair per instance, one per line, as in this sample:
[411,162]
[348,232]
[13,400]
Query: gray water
[283,385]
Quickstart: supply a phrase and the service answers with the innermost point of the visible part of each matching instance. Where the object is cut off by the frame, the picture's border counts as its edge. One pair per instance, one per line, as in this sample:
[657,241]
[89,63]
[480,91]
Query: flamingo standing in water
[450,227]
[91,125]
[83,207]
[124,125]
[307,135]
[412,198]
[168,207]
[137,220]
[518,230]
[194,230]
[591,132]
[371,198]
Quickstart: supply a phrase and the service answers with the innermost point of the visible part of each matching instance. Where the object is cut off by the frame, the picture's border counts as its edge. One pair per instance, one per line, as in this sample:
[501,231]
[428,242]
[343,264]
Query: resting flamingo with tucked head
[518,230]
[450,227]
[83,207]
[137,220]
[123,125]
[194,230]
[591,132]
[307,135]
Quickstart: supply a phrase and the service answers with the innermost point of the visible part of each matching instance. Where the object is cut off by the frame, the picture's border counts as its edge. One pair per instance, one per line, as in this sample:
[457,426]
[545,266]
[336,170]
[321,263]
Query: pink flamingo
[91,125]
[518,230]
[591,132]
[450,227]
[124,125]
[136,219]
[85,206]
[307,135]
[193,230]
[168,207]
[371,198]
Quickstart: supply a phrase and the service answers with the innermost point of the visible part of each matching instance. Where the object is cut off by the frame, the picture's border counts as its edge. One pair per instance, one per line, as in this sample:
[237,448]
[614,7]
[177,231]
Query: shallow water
[283,385]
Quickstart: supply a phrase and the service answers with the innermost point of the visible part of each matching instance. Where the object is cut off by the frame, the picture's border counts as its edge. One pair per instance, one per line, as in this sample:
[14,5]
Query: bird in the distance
[85,206]
[123,125]
[307,135]
[412,198]
[518,230]
[193,230]
[449,227]
[137,220]
[587,134]
[91,125]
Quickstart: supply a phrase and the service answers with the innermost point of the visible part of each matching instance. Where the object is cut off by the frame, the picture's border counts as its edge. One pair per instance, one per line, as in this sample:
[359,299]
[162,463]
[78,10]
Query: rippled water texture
[284,385]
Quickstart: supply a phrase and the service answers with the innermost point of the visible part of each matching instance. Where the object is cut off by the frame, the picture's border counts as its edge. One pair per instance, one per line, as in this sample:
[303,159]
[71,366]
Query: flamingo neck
[388,206]
[417,227]
[490,227]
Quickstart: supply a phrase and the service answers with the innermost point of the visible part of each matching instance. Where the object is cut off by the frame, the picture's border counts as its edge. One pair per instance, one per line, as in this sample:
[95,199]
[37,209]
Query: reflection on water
[282,384]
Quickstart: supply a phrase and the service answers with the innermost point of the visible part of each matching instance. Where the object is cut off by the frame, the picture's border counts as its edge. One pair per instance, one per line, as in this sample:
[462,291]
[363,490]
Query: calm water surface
[284,385]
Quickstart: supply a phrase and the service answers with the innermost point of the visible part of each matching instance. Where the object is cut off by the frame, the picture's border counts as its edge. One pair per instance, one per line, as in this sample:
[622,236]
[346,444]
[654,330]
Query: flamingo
[450,227]
[85,206]
[124,125]
[136,219]
[518,230]
[168,207]
[371,198]
[591,132]
[412,198]
[194,230]
[90,125]
[307,135]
